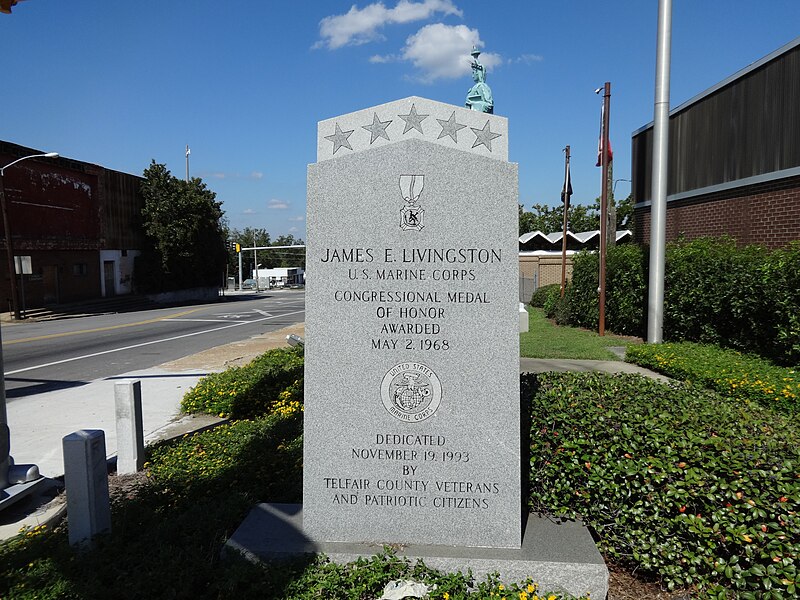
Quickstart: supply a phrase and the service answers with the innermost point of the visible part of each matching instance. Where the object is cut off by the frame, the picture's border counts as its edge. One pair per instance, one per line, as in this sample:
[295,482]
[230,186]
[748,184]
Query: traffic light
[238,248]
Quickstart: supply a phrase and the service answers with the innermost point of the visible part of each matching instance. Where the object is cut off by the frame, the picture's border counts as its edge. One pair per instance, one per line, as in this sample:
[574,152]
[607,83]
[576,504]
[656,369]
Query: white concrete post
[86,483]
[130,433]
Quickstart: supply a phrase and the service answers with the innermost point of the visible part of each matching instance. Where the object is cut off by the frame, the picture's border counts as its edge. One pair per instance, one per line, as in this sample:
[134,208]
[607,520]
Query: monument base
[560,557]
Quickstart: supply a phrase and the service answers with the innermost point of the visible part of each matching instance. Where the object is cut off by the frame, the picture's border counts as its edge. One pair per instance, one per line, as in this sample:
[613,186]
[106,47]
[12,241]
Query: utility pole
[188,152]
[565,194]
[255,260]
[604,156]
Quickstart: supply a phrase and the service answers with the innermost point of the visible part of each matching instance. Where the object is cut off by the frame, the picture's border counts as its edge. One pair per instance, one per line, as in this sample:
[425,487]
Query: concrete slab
[542,365]
[560,557]
[39,423]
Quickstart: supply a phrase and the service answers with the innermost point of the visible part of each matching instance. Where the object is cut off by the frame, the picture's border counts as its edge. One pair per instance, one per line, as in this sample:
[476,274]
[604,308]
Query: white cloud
[443,51]
[297,218]
[248,211]
[293,230]
[256,175]
[386,58]
[529,58]
[361,25]
[277,204]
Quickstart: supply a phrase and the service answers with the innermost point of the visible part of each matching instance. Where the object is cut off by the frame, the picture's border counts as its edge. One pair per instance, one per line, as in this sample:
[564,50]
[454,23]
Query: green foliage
[678,482]
[252,390]
[551,300]
[367,577]
[625,213]
[711,292]
[581,294]
[727,371]
[746,298]
[268,259]
[184,226]
[626,285]
[549,219]
[781,323]
[544,294]
[166,538]
[626,289]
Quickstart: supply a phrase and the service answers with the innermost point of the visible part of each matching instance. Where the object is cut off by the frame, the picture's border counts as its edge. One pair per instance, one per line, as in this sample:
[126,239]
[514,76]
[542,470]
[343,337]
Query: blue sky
[243,83]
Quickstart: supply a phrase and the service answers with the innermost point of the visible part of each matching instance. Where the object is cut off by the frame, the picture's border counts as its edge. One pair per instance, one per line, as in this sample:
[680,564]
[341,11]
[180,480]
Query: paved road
[48,356]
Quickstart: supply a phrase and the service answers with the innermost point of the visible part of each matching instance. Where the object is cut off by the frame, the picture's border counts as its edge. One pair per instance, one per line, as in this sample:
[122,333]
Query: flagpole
[565,200]
[604,207]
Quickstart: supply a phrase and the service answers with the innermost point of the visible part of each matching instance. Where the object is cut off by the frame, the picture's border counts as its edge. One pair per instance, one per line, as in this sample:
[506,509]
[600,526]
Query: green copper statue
[479,96]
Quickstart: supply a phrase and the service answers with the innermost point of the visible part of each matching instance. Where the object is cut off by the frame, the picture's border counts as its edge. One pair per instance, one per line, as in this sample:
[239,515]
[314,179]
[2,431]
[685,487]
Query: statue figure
[479,96]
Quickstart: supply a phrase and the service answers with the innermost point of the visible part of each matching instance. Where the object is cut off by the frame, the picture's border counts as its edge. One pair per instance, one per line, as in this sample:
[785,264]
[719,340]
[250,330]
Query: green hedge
[252,390]
[678,482]
[746,298]
[544,294]
[727,371]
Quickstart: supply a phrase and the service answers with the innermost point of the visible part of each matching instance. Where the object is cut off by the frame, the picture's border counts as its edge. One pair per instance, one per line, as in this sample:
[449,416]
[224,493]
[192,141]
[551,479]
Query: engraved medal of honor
[411,392]
[411,214]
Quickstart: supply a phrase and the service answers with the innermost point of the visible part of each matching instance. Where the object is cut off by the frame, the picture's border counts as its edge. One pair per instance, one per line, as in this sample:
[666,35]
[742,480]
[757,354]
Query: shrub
[251,390]
[780,321]
[712,292]
[544,294]
[677,481]
[626,290]
[727,371]
[745,298]
[581,293]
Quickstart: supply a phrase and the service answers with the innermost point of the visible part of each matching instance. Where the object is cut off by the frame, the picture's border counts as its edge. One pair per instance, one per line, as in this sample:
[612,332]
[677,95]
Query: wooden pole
[604,207]
[565,201]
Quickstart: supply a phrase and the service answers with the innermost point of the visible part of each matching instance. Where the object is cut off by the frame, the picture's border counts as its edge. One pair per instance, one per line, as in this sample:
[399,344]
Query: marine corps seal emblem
[411,392]
[412,214]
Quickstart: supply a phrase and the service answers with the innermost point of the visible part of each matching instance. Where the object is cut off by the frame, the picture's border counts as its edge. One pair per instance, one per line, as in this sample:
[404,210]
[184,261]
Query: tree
[268,259]
[550,219]
[184,224]
[625,213]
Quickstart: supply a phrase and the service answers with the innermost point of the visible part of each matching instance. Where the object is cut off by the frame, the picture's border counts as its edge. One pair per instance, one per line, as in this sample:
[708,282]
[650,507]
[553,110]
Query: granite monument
[412,346]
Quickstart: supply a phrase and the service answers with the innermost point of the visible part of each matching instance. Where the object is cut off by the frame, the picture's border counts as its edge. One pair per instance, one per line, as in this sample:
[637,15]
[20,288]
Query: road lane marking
[150,343]
[206,321]
[97,329]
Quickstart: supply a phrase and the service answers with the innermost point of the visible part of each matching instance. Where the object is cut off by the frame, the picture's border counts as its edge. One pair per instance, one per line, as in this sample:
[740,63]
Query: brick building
[734,158]
[79,224]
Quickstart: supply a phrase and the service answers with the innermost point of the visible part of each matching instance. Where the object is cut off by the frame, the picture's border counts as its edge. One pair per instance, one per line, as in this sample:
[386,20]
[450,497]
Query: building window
[80,269]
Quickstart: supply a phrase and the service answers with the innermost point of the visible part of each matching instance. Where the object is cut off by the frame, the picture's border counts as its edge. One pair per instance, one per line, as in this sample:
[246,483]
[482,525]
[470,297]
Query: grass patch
[727,371]
[544,339]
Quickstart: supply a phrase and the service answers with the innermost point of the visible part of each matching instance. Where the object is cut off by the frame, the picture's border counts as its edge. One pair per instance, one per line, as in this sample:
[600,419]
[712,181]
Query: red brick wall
[767,214]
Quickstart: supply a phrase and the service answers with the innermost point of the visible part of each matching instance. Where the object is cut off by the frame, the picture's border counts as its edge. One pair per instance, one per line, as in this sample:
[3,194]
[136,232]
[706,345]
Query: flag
[566,191]
[600,143]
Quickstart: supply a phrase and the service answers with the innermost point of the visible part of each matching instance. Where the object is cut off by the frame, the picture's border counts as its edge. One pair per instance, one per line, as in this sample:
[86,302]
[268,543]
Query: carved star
[339,139]
[413,120]
[377,129]
[484,136]
[450,127]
